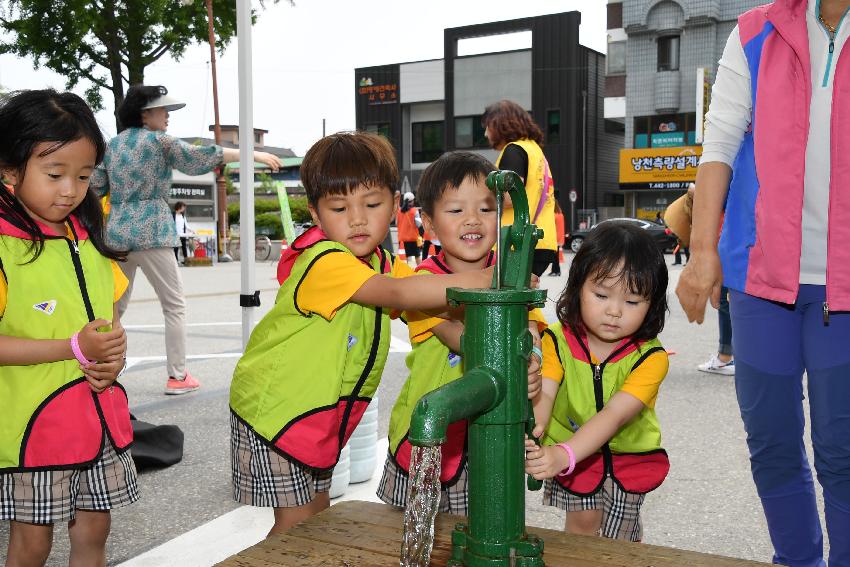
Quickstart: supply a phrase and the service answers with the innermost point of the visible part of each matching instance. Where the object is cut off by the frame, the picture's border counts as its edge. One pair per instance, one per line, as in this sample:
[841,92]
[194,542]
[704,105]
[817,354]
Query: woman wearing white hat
[136,173]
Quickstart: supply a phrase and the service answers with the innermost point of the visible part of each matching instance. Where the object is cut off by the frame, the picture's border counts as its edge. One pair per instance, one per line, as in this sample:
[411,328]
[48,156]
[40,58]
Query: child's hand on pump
[535,362]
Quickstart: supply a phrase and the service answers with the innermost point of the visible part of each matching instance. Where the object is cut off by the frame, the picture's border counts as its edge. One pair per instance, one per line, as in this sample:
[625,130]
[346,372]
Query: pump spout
[474,393]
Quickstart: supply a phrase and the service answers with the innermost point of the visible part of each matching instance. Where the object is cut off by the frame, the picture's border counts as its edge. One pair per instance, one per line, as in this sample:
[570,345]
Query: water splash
[423,500]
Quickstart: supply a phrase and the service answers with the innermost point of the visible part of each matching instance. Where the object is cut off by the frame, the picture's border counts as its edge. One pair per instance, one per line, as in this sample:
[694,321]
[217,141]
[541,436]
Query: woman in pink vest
[772,157]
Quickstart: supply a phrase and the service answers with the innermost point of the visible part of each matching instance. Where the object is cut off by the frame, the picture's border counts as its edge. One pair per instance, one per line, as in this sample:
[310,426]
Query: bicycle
[262,248]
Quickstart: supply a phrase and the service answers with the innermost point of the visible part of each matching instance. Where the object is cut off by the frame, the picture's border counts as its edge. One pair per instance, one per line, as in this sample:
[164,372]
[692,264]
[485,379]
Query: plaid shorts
[262,477]
[393,489]
[620,509]
[49,496]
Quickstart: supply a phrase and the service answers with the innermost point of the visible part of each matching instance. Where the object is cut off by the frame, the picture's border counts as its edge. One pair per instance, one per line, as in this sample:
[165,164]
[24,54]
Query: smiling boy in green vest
[314,362]
[459,208]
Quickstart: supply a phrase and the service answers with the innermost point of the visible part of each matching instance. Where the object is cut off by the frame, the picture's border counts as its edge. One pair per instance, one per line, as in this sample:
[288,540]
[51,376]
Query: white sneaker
[717,366]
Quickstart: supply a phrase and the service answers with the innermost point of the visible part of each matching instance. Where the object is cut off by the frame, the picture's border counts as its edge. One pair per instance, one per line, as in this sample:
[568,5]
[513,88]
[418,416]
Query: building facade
[662,59]
[429,107]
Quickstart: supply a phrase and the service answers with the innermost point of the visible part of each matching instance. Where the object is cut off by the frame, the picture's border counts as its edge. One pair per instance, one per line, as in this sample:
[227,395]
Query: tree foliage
[108,42]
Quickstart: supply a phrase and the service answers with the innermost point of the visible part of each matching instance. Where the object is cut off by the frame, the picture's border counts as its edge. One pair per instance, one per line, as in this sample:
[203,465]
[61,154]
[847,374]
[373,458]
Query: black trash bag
[155,446]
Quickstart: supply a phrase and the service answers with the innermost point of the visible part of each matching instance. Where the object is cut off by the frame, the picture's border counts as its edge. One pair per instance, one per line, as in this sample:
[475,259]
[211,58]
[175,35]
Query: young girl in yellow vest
[313,363]
[458,207]
[64,421]
[602,367]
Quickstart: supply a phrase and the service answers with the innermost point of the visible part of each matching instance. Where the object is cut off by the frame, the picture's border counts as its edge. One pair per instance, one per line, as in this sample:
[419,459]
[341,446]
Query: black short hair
[29,118]
[130,112]
[338,163]
[643,268]
[449,171]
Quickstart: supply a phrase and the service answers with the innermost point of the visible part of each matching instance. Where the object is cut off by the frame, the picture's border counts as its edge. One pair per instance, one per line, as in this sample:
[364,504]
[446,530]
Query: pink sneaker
[187,384]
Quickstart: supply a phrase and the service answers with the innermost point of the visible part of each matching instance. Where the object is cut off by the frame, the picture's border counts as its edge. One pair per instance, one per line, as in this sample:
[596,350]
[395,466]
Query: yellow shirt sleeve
[401,269]
[536,315]
[121,281]
[552,367]
[646,379]
[330,282]
[420,325]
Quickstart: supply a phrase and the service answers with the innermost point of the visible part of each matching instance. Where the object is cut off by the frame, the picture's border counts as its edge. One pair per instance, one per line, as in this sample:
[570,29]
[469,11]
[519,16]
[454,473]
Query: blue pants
[774,343]
[725,323]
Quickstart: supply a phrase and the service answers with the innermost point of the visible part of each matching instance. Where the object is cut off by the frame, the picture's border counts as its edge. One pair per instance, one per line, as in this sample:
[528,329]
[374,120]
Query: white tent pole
[246,162]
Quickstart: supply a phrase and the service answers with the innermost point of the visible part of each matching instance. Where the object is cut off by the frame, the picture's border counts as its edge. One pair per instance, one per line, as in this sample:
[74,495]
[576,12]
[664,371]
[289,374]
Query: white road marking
[162,326]
[397,345]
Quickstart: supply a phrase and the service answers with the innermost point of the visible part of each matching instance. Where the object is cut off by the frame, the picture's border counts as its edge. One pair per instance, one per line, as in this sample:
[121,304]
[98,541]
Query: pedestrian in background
[408,223]
[560,232]
[183,230]
[512,131]
[779,121]
[678,220]
[136,173]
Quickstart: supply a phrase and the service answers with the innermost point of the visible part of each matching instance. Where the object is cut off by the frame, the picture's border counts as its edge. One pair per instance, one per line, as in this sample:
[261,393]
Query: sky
[304,59]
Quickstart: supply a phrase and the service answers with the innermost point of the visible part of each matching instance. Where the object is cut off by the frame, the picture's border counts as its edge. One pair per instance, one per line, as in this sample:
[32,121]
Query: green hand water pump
[493,396]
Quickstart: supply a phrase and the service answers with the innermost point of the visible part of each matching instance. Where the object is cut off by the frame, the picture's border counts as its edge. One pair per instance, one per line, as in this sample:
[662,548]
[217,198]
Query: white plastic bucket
[342,474]
[363,444]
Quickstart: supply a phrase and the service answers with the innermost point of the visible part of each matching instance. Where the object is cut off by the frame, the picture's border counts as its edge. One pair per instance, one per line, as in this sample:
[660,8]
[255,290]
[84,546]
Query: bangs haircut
[450,170]
[29,118]
[508,122]
[643,270]
[338,163]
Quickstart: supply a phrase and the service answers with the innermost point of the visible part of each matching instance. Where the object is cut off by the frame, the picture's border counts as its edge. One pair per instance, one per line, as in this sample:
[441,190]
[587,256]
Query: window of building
[257,138]
[510,41]
[469,133]
[668,53]
[427,141]
[553,126]
[616,58]
[664,130]
[382,128]
[615,15]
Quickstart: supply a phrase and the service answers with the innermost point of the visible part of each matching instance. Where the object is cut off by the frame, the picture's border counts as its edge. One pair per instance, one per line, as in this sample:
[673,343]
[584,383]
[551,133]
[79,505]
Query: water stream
[423,501]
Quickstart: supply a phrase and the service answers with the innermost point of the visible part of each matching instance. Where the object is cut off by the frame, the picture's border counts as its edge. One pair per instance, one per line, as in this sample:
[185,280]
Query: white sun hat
[166,102]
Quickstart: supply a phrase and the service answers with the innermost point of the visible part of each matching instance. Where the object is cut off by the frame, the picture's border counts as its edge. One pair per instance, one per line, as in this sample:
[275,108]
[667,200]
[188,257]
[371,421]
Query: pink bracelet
[75,348]
[572,456]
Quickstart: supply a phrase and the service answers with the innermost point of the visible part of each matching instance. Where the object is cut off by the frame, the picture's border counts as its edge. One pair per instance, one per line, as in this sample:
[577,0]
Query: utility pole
[323,127]
[221,184]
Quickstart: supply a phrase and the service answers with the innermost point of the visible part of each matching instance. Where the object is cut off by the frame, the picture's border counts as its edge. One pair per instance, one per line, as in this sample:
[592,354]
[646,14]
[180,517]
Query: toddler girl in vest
[602,367]
[315,360]
[460,210]
[64,421]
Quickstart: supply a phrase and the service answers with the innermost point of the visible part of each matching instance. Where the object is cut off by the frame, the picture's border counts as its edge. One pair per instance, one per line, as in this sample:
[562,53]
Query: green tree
[109,42]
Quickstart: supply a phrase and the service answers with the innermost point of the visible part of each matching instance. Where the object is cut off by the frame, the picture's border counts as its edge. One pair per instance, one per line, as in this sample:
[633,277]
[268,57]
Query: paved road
[707,504]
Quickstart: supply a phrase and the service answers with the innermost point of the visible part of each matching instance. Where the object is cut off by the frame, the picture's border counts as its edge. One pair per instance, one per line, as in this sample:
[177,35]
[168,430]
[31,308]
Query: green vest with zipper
[432,365]
[49,416]
[581,394]
[304,381]
[633,457]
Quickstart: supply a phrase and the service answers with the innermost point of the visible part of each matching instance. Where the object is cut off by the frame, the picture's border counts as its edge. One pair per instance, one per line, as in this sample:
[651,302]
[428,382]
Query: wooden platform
[356,534]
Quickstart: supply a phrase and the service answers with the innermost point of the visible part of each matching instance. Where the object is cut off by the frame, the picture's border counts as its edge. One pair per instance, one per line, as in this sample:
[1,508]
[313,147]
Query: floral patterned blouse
[136,173]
